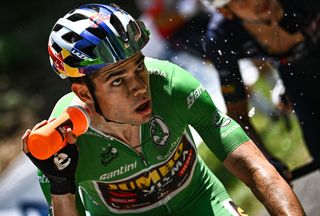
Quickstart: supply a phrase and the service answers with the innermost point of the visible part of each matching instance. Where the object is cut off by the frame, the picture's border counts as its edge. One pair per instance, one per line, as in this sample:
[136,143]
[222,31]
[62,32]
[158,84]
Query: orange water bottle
[49,139]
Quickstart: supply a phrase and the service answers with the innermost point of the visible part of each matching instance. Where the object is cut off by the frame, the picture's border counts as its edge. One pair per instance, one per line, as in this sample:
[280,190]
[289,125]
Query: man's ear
[82,91]
[226,12]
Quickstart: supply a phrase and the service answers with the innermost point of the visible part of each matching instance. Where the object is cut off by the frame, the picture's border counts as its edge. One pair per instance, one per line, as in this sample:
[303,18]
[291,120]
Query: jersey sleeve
[193,105]
[45,187]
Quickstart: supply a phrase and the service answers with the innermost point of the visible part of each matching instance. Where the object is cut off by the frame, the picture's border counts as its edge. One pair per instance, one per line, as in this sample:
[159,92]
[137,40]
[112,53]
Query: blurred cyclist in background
[181,27]
[282,32]
[180,24]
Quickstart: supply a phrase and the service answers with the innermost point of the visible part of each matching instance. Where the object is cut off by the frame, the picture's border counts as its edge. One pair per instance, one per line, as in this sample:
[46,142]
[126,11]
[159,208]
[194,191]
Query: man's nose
[138,85]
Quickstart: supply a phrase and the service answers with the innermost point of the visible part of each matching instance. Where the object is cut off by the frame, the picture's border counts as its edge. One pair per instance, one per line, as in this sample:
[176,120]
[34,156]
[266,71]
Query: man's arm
[248,164]
[62,181]
[64,205]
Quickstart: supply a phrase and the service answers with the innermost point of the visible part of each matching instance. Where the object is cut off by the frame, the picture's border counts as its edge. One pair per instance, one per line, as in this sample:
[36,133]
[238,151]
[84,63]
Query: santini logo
[123,169]
[194,95]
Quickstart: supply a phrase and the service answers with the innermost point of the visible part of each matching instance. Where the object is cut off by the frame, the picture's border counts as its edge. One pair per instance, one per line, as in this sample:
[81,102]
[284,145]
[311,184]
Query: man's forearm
[64,205]
[249,165]
[276,195]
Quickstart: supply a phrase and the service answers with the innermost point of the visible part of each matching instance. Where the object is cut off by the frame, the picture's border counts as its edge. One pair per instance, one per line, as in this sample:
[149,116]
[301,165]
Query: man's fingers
[24,141]
[71,138]
[27,133]
[50,120]
[40,124]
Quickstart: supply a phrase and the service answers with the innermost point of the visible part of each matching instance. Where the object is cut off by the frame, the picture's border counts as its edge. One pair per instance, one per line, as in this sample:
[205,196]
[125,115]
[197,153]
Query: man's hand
[59,168]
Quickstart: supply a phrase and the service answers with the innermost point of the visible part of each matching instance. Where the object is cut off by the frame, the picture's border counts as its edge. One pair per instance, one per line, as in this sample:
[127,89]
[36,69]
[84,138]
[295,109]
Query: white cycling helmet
[93,36]
[215,3]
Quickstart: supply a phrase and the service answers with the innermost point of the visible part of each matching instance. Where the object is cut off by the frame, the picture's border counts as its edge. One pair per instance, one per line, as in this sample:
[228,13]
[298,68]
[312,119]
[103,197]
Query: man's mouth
[144,108]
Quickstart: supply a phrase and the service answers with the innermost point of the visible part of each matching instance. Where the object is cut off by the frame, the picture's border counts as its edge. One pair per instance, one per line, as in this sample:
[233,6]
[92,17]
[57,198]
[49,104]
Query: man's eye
[117,82]
[140,67]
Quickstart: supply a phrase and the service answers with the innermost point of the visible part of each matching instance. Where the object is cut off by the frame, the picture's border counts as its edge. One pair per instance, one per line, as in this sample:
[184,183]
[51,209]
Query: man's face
[123,93]
[253,9]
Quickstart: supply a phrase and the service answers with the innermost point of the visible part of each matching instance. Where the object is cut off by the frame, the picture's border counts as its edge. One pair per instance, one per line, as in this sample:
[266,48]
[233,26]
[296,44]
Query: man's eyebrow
[122,71]
[114,73]
[139,60]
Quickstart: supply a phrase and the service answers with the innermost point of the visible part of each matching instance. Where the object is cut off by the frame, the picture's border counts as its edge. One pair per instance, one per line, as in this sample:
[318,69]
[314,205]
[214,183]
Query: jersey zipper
[142,157]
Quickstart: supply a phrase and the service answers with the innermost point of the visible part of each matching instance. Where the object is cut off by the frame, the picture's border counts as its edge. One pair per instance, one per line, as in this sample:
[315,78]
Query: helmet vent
[57,27]
[89,51]
[77,17]
[56,47]
[98,32]
[114,20]
[72,37]
[72,61]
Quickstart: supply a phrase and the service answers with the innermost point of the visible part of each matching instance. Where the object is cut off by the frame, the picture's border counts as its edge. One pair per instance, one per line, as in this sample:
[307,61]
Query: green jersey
[167,177]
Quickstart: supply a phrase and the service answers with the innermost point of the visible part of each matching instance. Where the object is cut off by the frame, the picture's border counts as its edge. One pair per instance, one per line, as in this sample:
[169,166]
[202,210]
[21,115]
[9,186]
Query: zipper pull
[143,159]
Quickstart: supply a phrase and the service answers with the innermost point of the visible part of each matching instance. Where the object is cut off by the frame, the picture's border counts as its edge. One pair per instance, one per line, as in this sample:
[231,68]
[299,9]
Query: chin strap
[95,101]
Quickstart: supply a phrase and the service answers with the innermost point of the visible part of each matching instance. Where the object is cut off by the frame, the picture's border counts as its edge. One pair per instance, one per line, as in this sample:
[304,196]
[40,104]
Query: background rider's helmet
[215,3]
[93,36]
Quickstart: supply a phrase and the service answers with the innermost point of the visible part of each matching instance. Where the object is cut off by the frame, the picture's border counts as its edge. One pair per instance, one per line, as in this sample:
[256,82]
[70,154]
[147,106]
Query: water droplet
[252,112]
[114,150]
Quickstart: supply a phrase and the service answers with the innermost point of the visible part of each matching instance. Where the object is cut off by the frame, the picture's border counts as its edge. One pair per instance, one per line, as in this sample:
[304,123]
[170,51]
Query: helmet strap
[95,101]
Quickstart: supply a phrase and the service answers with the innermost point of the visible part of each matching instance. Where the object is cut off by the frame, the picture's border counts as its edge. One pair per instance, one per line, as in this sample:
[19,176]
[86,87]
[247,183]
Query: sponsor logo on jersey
[148,188]
[43,179]
[220,120]
[121,170]
[61,161]
[229,131]
[169,150]
[159,130]
[108,155]
[157,72]
[194,95]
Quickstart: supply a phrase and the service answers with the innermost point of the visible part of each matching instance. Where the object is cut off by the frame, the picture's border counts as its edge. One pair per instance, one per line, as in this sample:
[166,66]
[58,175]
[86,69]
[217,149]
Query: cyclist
[138,156]
[284,33]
